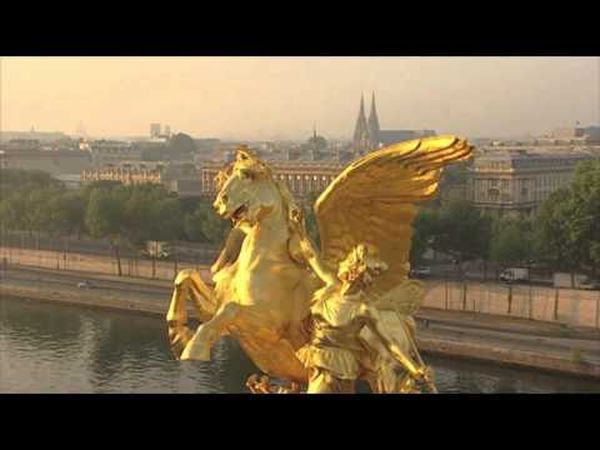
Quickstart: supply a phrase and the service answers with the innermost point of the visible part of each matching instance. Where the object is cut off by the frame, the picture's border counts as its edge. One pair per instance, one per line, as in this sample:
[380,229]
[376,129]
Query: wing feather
[374,201]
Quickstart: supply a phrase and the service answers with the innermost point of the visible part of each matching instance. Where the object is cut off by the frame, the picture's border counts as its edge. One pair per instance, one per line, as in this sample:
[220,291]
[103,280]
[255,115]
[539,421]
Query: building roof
[286,164]
[528,160]
[393,136]
[524,154]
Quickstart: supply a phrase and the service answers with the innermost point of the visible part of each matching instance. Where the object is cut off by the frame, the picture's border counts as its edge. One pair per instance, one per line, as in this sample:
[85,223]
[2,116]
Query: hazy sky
[265,98]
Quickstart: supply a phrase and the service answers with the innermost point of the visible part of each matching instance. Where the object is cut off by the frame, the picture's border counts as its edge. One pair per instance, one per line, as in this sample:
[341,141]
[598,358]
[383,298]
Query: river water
[49,348]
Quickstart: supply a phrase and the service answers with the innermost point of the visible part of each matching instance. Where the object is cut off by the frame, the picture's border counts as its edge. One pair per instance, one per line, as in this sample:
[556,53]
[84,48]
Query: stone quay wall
[573,307]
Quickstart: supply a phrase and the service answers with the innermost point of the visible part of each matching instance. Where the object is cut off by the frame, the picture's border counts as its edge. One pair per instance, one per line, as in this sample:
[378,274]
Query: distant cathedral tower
[373,125]
[360,142]
[366,134]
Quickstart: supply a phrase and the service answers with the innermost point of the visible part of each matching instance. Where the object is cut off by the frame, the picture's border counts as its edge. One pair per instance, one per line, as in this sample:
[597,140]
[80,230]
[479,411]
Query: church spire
[373,125]
[361,132]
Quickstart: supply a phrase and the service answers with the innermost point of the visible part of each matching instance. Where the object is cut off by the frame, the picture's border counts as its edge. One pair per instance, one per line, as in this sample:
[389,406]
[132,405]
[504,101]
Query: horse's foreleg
[199,346]
[187,284]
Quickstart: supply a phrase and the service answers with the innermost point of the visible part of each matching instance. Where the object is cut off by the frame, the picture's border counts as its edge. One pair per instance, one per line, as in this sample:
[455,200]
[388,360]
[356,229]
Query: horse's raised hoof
[198,347]
[179,336]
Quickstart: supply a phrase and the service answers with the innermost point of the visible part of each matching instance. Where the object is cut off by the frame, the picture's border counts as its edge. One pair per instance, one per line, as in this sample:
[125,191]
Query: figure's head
[247,192]
[361,266]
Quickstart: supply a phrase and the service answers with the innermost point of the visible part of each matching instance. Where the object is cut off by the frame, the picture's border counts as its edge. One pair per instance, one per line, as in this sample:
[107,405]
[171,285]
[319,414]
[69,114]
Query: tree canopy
[511,241]
[565,234]
[567,226]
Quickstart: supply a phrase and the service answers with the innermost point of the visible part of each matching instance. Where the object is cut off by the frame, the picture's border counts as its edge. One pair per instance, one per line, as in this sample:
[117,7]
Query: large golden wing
[405,298]
[374,201]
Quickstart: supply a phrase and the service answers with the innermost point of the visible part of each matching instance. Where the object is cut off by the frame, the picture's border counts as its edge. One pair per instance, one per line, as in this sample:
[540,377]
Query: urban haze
[282,98]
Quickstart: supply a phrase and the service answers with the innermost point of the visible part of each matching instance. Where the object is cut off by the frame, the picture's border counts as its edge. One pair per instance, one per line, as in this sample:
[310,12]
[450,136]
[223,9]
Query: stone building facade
[112,153]
[54,162]
[123,175]
[184,179]
[515,182]
[301,177]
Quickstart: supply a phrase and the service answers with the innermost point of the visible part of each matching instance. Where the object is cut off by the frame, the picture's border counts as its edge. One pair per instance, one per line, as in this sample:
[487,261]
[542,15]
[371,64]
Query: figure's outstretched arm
[301,245]
[414,369]
[309,254]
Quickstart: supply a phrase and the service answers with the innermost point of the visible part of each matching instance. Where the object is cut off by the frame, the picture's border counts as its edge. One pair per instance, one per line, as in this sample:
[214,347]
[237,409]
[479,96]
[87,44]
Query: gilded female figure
[337,354]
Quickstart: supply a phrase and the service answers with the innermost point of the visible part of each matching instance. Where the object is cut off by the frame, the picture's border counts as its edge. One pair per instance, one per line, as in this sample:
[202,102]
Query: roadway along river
[49,348]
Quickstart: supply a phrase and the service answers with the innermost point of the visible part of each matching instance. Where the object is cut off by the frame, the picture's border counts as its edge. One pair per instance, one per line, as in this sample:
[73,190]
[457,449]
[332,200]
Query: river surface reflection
[49,348]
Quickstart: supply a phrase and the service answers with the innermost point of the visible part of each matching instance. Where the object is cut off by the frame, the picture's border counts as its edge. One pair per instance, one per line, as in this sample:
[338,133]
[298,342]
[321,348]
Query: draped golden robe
[335,354]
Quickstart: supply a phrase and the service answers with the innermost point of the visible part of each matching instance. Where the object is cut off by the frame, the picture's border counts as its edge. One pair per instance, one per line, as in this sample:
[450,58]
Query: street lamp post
[530,262]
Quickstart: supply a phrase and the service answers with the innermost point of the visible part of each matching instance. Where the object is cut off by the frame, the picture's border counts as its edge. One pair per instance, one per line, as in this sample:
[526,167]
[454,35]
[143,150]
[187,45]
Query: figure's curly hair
[362,259]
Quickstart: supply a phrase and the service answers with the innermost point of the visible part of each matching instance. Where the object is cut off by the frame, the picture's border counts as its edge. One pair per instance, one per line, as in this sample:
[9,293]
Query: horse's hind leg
[187,284]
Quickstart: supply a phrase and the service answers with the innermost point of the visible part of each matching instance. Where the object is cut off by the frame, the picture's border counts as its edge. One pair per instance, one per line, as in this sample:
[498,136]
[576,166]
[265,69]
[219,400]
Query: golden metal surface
[319,319]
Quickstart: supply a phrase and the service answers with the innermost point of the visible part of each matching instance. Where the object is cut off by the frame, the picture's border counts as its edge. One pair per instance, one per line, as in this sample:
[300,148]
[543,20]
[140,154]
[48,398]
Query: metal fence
[84,262]
[569,306]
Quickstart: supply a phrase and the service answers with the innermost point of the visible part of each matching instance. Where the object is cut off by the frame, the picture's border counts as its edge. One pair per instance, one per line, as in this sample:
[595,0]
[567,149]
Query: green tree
[12,211]
[41,214]
[553,241]
[426,230]
[204,225]
[63,213]
[511,241]
[192,226]
[168,219]
[455,174]
[13,179]
[214,228]
[104,218]
[584,222]
[24,199]
[462,231]
[567,227]
[151,214]
[453,183]
[166,223]
[138,216]
[72,204]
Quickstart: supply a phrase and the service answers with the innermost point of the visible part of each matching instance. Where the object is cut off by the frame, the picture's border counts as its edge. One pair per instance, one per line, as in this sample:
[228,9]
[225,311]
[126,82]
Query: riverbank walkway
[549,346]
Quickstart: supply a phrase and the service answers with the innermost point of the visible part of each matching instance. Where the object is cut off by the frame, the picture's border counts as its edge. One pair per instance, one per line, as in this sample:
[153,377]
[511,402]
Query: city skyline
[283,98]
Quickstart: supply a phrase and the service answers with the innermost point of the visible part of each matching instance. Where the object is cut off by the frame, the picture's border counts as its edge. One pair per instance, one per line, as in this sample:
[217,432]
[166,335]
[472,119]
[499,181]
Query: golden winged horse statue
[266,278]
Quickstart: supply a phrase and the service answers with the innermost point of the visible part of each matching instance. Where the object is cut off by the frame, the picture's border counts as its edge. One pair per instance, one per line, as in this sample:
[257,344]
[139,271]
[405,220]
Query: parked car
[85,285]
[421,271]
[157,249]
[575,280]
[590,284]
[515,274]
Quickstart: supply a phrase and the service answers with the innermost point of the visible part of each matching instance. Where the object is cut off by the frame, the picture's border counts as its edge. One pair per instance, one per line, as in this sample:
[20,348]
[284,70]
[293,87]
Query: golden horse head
[248,192]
